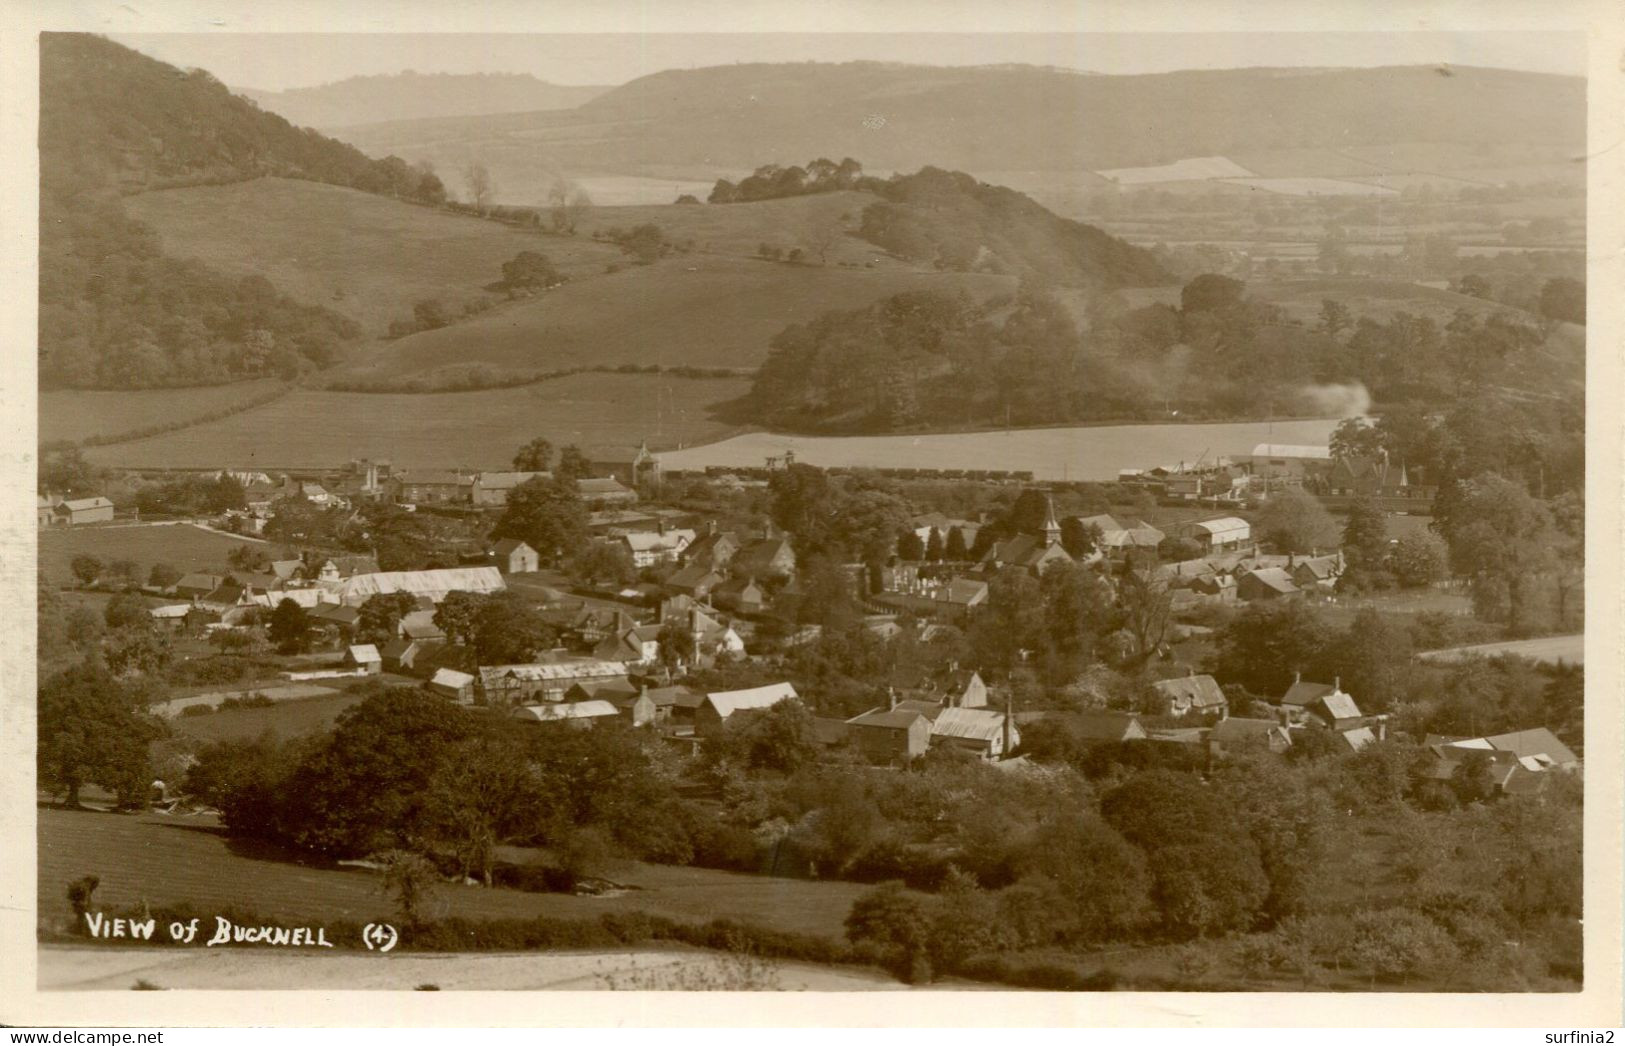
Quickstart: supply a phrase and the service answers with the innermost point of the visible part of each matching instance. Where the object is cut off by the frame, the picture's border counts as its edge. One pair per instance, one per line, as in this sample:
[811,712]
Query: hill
[408,95]
[115,310]
[1012,118]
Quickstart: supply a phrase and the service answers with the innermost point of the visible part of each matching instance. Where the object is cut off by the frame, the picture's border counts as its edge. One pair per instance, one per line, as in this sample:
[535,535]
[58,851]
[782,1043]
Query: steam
[1343,401]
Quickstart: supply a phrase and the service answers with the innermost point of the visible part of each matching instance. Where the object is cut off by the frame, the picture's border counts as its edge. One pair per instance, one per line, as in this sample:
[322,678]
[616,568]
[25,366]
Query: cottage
[334,568]
[1319,572]
[712,549]
[1119,539]
[743,595]
[639,644]
[1235,735]
[651,547]
[987,733]
[896,735]
[1537,749]
[399,654]
[448,682]
[717,707]
[1192,693]
[491,489]
[196,586]
[515,557]
[1336,710]
[952,687]
[45,510]
[433,487]
[365,657]
[337,617]
[764,558]
[73,512]
[1265,583]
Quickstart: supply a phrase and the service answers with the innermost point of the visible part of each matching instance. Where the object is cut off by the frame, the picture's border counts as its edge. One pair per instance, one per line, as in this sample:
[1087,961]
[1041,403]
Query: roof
[1538,744]
[1197,691]
[84,504]
[561,712]
[888,719]
[432,583]
[452,678]
[649,540]
[508,546]
[173,610]
[1322,567]
[830,731]
[1341,706]
[760,553]
[1107,726]
[1274,578]
[336,612]
[534,672]
[364,654]
[600,487]
[1292,450]
[692,576]
[506,480]
[970,724]
[1302,693]
[432,477]
[1223,525]
[395,648]
[205,582]
[1235,729]
[964,591]
[728,702]
[929,709]
[607,689]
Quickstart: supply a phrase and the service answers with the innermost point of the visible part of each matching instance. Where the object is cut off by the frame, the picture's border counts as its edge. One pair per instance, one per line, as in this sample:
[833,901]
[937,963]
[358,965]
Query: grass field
[695,310]
[1377,298]
[365,256]
[77,414]
[284,719]
[181,545]
[171,859]
[442,430]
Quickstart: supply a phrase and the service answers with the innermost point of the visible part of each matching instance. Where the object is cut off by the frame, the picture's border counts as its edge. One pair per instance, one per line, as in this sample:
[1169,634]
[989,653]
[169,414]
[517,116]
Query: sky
[278,61]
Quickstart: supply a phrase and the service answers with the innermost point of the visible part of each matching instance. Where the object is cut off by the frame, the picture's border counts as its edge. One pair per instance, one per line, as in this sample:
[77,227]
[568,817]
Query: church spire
[1052,529]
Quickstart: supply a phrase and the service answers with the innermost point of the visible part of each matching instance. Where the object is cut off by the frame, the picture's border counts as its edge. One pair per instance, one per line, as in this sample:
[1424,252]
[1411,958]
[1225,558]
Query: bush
[197,710]
[1399,943]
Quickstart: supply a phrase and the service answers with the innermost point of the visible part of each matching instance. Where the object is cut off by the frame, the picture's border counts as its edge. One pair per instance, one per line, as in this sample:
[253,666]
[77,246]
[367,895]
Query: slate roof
[727,702]
[970,724]
[450,677]
[887,719]
[1200,692]
[562,712]
[365,654]
[1341,706]
[1303,694]
[1234,730]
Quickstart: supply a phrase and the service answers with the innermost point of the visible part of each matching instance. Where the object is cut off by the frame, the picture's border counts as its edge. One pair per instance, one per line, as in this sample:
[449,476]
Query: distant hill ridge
[413,95]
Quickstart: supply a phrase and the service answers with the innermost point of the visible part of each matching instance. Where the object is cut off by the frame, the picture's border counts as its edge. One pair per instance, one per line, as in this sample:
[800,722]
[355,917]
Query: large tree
[1295,521]
[1505,540]
[1266,644]
[380,616]
[535,456]
[456,615]
[1365,534]
[290,627]
[508,630]
[547,515]
[93,730]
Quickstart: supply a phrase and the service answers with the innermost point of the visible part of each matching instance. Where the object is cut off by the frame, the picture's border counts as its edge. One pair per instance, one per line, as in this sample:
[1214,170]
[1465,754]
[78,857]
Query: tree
[92,730]
[410,879]
[547,515]
[86,568]
[1102,878]
[535,456]
[1355,438]
[507,630]
[480,186]
[677,646]
[162,575]
[127,611]
[933,550]
[137,650]
[1147,606]
[430,314]
[1418,560]
[456,613]
[573,465]
[122,572]
[482,794]
[1080,540]
[781,738]
[380,616]
[898,922]
[1365,534]
[290,628]
[910,549]
[1334,318]
[1210,292]
[64,470]
[955,549]
[1266,644]
[529,269]
[1504,540]
[1373,659]
[1295,521]
[604,561]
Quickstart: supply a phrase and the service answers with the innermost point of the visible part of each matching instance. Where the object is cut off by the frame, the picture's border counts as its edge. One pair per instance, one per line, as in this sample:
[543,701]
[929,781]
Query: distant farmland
[181,545]
[76,414]
[365,256]
[442,430]
[692,310]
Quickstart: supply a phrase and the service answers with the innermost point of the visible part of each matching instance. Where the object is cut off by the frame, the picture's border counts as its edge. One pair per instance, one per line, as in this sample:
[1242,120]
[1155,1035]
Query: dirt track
[80,968]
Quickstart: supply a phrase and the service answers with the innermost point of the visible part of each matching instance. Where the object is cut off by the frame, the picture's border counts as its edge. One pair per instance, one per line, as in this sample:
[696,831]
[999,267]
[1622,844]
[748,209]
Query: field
[1376,298]
[441,430]
[77,414]
[181,545]
[1087,453]
[1557,650]
[365,256]
[287,718]
[694,310]
[173,859]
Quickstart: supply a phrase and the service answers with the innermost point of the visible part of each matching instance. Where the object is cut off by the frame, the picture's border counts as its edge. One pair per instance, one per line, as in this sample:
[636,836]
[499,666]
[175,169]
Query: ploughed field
[170,859]
[444,429]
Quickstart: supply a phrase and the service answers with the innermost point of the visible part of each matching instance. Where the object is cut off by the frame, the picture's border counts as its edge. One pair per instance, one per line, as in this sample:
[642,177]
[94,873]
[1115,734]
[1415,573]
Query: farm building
[45,510]
[1319,572]
[73,512]
[742,594]
[988,733]
[1118,539]
[717,707]
[354,591]
[1265,583]
[196,586]
[630,465]
[598,493]
[695,581]
[515,557]
[577,714]
[895,735]
[1289,462]
[639,644]
[1232,735]
[490,489]
[448,682]
[364,656]
[764,558]
[1216,535]
[1192,693]
[400,654]
[1537,749]
[651,547]
[433,487]
[516,684]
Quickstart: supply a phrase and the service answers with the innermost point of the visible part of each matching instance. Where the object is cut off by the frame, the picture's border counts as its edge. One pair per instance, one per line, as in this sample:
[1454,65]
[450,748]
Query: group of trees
[771,181]
[192,495]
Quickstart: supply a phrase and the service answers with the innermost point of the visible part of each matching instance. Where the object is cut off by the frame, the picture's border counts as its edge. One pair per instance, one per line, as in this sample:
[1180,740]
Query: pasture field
[365,256]
[1083,453]
[76,414]
[300,708]
[694,310]
[1556,650]
[1377,298]
[444,429]
[170,859]
[181,545]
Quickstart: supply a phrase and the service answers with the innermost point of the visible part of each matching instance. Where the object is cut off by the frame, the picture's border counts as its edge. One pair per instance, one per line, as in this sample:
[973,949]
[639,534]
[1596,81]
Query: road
[1568,650]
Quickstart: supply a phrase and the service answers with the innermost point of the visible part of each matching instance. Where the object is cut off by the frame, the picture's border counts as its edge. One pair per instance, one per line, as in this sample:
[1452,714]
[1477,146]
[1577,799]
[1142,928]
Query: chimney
[1297,677]
[1337,683]
[1009,718]
[891,699]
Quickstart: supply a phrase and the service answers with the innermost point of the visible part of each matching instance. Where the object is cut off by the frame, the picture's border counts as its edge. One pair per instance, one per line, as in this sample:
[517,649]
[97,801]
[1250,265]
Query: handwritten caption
[380,937]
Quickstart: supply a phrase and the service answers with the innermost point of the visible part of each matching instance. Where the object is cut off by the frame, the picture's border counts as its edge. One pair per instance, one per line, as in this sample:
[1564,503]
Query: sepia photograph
[736,511]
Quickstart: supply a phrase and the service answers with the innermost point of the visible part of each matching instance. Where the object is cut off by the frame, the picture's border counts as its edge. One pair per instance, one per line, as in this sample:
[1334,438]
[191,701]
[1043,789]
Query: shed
[895,735]
[364,656]
[717,707]
[448,682]
[1266,583]
[988,733]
